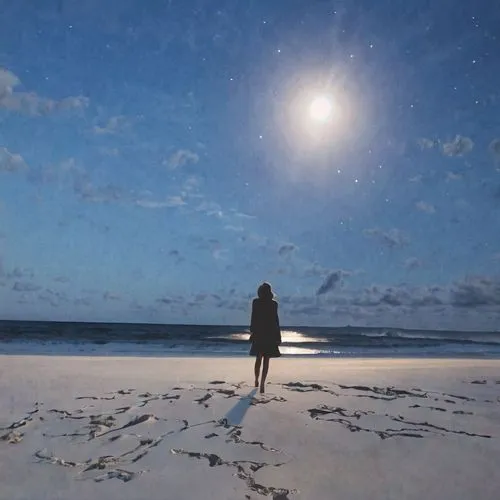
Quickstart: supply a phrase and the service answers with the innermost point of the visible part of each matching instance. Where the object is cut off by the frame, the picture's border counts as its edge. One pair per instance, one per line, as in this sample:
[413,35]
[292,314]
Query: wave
[446,336]
[233,340]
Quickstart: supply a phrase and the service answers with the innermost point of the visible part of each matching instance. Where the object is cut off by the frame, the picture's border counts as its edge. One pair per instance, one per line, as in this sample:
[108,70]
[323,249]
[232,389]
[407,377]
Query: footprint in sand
[12,437]
[25,420]
[122,475]
[203,400]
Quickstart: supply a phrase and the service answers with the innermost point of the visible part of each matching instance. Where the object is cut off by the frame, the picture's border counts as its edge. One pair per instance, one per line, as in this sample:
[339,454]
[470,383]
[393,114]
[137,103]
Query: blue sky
[158,161]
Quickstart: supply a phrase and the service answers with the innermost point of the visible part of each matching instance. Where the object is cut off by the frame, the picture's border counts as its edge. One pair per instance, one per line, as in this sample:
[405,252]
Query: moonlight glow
[314,115]
[321,109]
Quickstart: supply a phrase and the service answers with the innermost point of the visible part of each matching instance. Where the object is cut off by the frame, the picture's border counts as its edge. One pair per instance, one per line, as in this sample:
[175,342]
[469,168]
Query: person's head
[265,292]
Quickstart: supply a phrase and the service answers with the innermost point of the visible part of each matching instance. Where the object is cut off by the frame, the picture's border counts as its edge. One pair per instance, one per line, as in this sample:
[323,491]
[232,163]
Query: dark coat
[265,328]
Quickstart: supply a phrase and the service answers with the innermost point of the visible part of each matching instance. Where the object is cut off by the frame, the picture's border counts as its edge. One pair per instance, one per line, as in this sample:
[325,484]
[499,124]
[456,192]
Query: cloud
[416,179]
[392,299]
[134,305]
[7,83]
[391,238]
[82,302]
[176,255]
[203,243]
[113,152]
[287,249]
[425,143]
[220,253]
[237,229]
[241,215]
[181,158]
[472,292]
[213,245]
[20,286]
[412,263]
[21,272]
[54,298]
[425,207]
[315,270]
[69,175]
[398,296]
[331,281]
[170,202]
[29,102]
[165,301]
[109,296]
[459,146]
[171,300]
[87,191]
[452,176]
[307,311]
[234,304]
[11,162]
[473,303]
[495,147]
[476,291]
[191,187]
[210,208]
[114,125]
[64,173]
[61,279]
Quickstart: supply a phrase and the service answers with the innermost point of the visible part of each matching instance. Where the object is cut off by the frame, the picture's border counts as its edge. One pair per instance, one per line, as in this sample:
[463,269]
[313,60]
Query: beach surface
[76,427]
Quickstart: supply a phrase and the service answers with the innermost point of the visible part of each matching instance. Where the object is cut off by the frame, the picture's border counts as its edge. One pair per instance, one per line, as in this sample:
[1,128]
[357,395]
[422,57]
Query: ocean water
[22,337]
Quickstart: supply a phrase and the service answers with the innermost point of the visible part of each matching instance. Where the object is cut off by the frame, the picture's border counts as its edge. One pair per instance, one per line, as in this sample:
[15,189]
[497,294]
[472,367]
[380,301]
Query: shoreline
[234,361]
[289,351]
[86,353]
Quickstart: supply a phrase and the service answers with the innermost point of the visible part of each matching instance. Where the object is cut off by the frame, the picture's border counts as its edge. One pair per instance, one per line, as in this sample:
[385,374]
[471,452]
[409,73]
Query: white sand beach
[194,428]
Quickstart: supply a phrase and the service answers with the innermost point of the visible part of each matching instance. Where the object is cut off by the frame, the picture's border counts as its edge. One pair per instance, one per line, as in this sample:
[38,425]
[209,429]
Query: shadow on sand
[237,413]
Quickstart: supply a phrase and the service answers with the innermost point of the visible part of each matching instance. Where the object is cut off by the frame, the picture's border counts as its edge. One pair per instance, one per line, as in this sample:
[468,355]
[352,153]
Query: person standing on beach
[265,332]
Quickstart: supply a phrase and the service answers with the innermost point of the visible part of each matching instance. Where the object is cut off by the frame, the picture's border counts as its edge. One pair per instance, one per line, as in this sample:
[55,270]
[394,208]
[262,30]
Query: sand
[195,428]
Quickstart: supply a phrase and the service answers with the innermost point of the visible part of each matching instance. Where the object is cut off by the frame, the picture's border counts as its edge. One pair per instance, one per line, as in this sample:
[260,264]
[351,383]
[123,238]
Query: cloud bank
[31,103]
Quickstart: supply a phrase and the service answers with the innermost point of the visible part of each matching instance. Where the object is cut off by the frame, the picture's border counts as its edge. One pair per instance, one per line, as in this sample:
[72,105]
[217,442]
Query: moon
[320,109]
[314,116]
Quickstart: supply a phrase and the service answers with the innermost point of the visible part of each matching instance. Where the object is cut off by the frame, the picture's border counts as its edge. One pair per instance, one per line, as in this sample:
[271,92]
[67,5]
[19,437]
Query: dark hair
[265,292]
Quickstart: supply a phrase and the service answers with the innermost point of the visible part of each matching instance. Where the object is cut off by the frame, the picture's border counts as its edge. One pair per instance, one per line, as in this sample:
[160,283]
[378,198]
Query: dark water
[158,340]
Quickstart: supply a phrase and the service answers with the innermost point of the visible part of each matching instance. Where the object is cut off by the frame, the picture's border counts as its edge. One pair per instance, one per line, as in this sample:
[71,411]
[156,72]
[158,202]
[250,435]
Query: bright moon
[320,109]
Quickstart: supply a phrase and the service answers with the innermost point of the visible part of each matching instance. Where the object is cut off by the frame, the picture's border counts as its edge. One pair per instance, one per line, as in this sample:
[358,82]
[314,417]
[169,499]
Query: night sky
[159,159]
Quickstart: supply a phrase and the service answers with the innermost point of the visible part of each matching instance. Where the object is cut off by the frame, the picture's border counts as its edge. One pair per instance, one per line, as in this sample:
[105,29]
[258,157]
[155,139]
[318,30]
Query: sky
[160,159]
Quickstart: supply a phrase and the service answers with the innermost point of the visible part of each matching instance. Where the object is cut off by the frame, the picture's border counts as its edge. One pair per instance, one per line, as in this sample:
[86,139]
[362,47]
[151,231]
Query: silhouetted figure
[265,332]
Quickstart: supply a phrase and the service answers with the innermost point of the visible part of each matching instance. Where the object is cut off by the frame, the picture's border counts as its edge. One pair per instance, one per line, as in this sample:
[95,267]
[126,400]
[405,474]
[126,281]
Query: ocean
[114,339]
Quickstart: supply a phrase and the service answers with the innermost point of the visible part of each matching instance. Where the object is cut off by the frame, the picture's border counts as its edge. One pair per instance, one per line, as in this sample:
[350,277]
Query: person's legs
[258,359]
[265,369]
